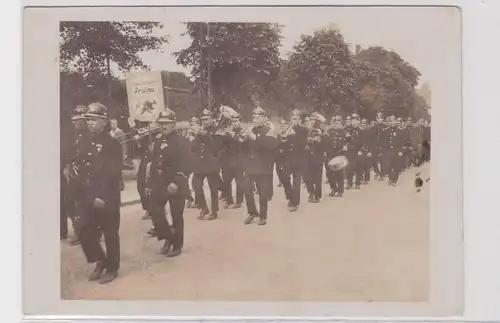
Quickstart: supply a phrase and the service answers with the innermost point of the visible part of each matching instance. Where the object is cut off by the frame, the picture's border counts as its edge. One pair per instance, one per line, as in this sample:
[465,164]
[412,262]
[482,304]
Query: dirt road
[370,245]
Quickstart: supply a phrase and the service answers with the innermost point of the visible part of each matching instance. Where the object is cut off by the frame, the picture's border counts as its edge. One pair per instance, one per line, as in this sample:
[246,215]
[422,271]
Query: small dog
[419,182]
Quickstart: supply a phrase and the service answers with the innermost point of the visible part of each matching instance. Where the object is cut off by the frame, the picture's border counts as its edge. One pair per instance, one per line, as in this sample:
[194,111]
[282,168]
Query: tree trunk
[108,71]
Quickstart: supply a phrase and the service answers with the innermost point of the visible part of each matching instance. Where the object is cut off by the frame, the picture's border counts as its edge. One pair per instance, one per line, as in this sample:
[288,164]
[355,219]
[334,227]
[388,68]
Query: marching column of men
[349,150]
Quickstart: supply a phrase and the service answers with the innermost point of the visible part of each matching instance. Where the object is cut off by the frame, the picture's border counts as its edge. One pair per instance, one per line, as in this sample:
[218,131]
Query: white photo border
[41,189]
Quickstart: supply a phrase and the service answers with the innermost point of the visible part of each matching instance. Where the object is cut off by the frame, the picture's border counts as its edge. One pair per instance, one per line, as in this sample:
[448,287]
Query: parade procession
[314,160]
[251,152]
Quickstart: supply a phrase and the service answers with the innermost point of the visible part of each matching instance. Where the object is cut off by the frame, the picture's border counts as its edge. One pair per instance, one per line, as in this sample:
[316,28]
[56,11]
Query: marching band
[218,148]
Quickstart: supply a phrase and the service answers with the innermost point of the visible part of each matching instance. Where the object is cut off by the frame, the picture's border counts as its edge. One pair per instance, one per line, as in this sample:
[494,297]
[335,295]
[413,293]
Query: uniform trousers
[164,231]
[354,169]
[261,181]
[366,165]
[141,183]
[291,178]
[214,184]
[228,175]
[107,221]
[314,179]
[396,164]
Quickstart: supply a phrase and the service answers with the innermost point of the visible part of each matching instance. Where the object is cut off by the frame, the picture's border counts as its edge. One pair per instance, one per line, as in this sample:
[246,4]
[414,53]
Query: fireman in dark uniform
[397,141]
[142,150]
[336,146]
[293,141]
[315,152]
[168,183]
[379,132]
[259,143]
[206,149]
[369,141]
[100,166]
[280,153]
[69,186]
[355,153]
[232,168]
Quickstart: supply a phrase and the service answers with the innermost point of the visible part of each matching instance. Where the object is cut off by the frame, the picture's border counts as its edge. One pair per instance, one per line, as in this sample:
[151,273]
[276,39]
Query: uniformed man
[100,166]
[315,151]
[369,141]
[259,144]
[293,141]
[355,153]
[379,132]
[336,146]
[168,183]
[397,142]
[232,168]
[206,149]
[426,144]
[280,154]
[142,150]
[69,185]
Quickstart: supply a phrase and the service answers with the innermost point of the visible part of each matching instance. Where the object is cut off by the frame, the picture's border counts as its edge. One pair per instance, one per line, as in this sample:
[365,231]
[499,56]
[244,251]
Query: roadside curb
[128,203]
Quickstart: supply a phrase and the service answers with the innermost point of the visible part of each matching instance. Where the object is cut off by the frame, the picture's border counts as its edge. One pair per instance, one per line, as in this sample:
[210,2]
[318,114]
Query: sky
[421,35]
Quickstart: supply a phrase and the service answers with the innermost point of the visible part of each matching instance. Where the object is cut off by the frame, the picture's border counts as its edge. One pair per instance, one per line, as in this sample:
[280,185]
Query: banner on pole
[145,95]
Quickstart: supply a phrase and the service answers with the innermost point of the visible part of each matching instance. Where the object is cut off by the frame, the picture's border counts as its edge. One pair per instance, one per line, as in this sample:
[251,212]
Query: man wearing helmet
[100,169]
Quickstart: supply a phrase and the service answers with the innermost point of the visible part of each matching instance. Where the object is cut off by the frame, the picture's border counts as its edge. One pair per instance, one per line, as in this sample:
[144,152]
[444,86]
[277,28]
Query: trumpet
[247,131]
[141,132]
[285,131]
[314,135]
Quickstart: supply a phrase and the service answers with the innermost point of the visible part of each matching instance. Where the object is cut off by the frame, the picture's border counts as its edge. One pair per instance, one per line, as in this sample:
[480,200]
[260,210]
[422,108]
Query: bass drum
[338,163]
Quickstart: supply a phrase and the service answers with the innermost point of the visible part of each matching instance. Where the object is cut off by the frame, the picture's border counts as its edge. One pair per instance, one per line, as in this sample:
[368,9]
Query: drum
[338,163]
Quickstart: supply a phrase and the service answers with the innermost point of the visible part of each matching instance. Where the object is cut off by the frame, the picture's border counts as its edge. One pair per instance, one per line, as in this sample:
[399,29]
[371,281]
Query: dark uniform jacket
[231,152]
[100,163]
[294,148]
[369,139]
[335,142]
[206,152]
[168,163]
[398,139]
[355,141]
[259,155]
[315,150]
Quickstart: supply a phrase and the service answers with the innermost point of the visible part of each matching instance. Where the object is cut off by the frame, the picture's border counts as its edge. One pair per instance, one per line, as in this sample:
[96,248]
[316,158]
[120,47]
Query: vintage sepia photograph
[285,157]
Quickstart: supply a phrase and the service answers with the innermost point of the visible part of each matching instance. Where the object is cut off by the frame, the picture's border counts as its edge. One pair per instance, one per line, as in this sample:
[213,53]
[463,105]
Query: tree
[320,71]
[385,81]
[90,48]
[236,62]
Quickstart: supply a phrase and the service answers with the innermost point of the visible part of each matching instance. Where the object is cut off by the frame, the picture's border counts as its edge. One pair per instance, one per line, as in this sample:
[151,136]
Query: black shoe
[63,236]
[212,216]
[203,213]
[348,187]
[235,206]
[250,218]
[146,216]
[262,222]
[166,247]
[340,194]
[174,253]
[292,208]
[357,187]
[332,193]
[152,232]
[99,269]
[108,277]
[74,241]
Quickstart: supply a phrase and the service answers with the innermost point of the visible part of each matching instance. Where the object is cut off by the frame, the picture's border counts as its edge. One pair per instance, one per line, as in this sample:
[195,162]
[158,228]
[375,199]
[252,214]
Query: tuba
[225,119]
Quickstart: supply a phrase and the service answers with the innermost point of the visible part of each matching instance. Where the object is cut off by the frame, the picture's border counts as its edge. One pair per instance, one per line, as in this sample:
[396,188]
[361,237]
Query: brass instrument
[141,132]
[314,136]
[285,131]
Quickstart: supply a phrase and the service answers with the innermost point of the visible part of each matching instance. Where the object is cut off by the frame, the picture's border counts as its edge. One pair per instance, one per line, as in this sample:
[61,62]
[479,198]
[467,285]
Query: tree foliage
[320,70]
[241,58]
[386,81]
[90,47]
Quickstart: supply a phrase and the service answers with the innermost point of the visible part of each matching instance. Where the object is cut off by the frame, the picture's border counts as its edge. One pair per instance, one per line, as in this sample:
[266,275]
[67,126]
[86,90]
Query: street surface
[370,245]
